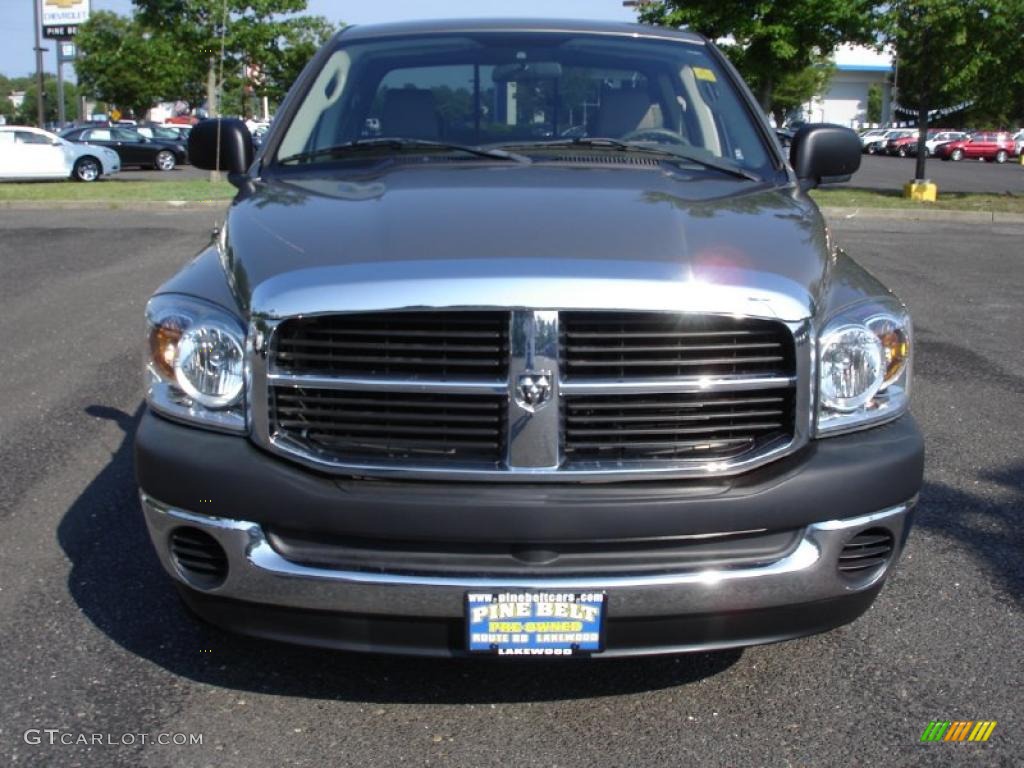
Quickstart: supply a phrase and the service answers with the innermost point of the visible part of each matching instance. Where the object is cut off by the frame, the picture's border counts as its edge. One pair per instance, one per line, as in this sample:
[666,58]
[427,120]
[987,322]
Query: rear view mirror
[527,70]
[221,145]
[823,153]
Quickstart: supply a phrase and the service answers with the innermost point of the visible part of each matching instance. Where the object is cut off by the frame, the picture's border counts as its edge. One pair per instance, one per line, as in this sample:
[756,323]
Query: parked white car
[30,153]
[943,138]
[872,135]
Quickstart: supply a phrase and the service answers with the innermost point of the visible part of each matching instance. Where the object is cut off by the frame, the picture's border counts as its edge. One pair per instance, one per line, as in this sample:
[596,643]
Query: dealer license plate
[535,623]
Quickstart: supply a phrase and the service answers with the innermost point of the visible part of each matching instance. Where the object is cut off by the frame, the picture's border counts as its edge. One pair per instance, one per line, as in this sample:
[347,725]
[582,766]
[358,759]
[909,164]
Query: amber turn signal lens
[896,349]
[163,346]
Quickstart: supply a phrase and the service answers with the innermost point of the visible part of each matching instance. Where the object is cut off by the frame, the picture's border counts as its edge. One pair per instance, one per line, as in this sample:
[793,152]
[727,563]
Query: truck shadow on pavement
[990,526]
[118,583]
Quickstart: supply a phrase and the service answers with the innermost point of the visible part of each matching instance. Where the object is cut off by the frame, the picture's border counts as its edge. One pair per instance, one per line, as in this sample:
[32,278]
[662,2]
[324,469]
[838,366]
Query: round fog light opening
[866,553]
[200,559]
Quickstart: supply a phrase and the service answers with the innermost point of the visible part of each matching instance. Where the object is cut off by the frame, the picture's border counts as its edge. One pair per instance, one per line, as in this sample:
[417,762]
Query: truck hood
[541,237]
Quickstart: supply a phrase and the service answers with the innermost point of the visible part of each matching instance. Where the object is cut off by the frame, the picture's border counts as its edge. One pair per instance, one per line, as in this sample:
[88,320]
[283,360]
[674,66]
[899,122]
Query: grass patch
[117,191]
[127,191]
[893,198]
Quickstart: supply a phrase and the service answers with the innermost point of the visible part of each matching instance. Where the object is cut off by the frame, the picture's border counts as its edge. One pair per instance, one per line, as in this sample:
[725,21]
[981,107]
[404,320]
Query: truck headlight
[195,362]
[864,367]
[209,365]
[851,368]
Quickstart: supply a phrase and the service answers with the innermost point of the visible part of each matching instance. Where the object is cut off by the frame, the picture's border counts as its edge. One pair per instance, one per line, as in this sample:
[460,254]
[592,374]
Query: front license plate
[535,623]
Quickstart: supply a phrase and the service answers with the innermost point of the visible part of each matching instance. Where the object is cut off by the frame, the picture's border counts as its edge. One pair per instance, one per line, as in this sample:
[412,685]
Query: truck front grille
[630,345]
[675,426]
[510,559]
[421,344]
[533,396]
[395,426]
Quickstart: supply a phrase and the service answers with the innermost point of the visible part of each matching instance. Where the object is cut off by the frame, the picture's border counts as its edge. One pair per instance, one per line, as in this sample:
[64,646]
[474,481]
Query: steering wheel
[657,135]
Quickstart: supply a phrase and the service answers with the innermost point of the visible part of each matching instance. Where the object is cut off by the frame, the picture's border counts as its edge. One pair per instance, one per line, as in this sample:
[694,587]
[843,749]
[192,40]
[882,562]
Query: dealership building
[846,101]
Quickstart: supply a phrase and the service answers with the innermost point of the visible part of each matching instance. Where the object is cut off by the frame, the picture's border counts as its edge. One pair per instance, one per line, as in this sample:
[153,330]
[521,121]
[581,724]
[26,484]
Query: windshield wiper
[400,145]
[633,146]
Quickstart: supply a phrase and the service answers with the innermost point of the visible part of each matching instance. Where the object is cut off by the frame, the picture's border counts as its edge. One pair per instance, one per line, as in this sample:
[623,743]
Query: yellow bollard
[922,191]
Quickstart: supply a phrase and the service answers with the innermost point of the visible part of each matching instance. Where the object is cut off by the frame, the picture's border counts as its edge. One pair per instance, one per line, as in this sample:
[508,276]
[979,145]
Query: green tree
[265,37]
[954,52]
[797,88]
[772,41]
[6,106]
[874,107]
[124,62]
[284,60]
[26,114]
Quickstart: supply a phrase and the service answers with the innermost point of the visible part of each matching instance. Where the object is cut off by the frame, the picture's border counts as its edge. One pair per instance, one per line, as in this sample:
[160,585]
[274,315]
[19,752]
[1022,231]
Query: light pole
[40,114]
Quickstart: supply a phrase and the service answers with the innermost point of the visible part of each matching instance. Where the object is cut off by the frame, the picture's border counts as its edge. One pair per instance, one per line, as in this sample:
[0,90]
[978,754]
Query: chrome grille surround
[534,441]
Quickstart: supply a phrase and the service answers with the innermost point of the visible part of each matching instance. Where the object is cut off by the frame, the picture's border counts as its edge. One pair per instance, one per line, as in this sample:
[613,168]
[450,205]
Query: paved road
[883,172]
[94,642]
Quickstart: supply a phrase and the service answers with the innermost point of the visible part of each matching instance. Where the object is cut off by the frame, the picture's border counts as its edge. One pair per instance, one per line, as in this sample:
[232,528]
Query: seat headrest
[410,113]
[622,110]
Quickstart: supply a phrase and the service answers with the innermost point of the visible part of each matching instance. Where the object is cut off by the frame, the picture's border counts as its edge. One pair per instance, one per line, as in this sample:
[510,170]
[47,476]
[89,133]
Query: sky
[16,35]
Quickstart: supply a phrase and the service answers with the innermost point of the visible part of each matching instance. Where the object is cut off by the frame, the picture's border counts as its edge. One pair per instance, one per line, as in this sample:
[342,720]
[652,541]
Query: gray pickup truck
[523,338]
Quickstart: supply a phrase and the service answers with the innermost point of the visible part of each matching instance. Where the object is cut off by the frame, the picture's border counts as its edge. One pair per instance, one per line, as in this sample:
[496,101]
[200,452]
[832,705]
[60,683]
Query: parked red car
[900,145]
[994,147]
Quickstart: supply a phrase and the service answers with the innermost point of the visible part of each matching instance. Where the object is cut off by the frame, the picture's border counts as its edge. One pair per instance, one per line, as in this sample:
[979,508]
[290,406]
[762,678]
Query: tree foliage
[264,42]
[796,89]
[773,43]
[874,108]
[26,113]
[953,52]
[169,49]
[123,62]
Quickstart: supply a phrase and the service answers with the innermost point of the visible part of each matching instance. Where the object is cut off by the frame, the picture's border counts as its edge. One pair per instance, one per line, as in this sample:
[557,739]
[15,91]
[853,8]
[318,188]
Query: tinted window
[498,88]
[27,137]
[124,134]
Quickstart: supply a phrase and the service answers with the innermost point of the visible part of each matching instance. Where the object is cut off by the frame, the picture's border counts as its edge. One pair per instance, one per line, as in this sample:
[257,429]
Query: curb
[911,214]
[109,205]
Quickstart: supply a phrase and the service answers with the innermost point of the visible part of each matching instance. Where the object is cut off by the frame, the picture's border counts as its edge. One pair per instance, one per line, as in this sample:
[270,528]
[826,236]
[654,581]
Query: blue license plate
[535,623]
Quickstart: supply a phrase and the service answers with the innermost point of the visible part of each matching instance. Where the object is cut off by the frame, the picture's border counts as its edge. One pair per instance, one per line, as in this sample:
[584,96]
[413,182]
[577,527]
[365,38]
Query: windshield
[525,90]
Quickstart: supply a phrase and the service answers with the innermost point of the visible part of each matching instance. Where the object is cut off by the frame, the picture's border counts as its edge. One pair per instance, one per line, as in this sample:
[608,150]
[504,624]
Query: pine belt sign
[60,18]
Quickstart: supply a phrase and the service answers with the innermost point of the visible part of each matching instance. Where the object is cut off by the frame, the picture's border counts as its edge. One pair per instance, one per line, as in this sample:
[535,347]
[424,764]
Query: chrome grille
[441,344]
[632,395]
[675,426]
[391,425]
[634,344]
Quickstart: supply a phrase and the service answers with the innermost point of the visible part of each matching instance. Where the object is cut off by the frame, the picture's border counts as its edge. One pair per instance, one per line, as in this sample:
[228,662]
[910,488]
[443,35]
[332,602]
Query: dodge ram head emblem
[533,389]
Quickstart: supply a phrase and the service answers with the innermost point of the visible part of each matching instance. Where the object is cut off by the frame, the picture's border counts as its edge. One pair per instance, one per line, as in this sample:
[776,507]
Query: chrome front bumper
[258,574]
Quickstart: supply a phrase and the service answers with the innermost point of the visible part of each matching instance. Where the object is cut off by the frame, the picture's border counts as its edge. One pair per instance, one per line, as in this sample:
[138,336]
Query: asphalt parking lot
[94,640]
[883,172]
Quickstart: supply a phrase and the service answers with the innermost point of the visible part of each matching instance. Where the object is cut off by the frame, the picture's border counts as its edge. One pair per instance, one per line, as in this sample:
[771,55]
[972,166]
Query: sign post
[40,115]
[65,52]
[60,20]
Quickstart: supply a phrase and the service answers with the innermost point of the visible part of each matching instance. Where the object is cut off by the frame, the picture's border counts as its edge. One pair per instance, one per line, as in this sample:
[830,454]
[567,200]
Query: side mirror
[824,153]
[230,137]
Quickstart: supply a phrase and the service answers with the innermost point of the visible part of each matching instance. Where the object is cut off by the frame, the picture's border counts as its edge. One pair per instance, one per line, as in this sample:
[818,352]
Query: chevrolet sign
[60,18]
